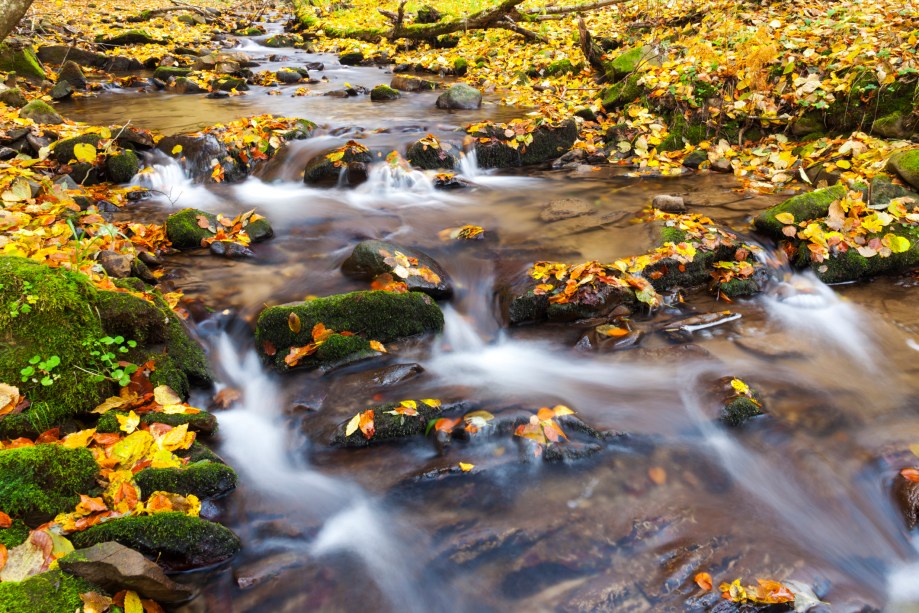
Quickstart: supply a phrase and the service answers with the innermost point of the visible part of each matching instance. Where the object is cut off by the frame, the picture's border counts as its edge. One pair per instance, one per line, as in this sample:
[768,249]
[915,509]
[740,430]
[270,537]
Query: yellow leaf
[105,133]
[561,409]
[895,243]
[84,152]
[131,448]
[128,423]
[353,425]
[844,164]
[177,150]
[785,218]
[377,346]
[740,387]
[163,394]
[78,439]
[132,603]
[466,467]
[112,402]
[431,402]
[177,438]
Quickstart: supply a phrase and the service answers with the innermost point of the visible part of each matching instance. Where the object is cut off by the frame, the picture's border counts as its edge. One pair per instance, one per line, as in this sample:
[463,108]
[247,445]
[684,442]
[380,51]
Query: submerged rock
[566,208]
[115,567]
[174,540]
[348,163]
[367,316]
[460,97]
[906,494]
[419,271]
[390,425]
[549,142]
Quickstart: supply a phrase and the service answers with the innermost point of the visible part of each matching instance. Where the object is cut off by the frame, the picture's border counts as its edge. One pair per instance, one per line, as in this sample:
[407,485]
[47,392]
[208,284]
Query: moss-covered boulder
[369,316]
[203,422]
[203,479]
[622,93]
[127,37]
[121,167]
[383,93]
[883,190]
[38,482]
[16,534]
[739,409]
[850,265]
[549,141]
[460,97]
[72,73]
[628,62]
[560,67]
[349,161]
[412,84]
[164,73]
[21,60]
[51,592]
[40,112]
[63,150]
[350,58]
[429,153]
[419,271]
[60,318]
[173,540]
[390,423]
[277,41]
[229,84]
[13,97]
[803,207]
[905,165]
[184,228]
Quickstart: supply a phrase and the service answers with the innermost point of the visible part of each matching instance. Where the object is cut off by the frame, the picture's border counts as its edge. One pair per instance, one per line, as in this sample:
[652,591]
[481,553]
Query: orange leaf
[704,581]
[659,476]
[90,505]
[5,521]
[377,346]
[49,436]
[203,221]
[298,353]
[366,422]
[4,555]
[446,424]
[545,413]
[321,333]
[910,474]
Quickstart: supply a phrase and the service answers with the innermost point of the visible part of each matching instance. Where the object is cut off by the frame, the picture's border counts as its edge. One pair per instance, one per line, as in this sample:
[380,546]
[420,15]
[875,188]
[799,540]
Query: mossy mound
[374,315]
[682,133]
[560,67]
[38,482]
[429,153]
[282,40]
[203,479]
[368,260]
[388,427]
[382,93]
[905,165]
[803,207]
[121,167]
[50,592]
[739,409]
[127,37]
[49,312]
[22,61]
[40,112]
[184,232]
[628,62]
[619,94]
[549,142]
[16,534]
[202,422]
[173,540]
[229,84]
[63,150]
[164,73]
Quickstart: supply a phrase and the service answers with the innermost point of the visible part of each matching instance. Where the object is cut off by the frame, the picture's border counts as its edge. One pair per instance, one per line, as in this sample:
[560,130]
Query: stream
[801,494]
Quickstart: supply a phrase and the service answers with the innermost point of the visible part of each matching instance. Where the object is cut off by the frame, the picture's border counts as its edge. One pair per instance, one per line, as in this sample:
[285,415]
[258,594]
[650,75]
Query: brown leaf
[269,348]
[293,322]
[203,222]
[657,475]
[321,333]
[225,397]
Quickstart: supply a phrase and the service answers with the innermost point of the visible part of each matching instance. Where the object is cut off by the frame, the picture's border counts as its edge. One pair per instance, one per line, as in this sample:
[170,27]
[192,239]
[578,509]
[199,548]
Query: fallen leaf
[5,521]
[704,581]
[163,395]
[293,322]
[366,424]
[657,475]
[466,467]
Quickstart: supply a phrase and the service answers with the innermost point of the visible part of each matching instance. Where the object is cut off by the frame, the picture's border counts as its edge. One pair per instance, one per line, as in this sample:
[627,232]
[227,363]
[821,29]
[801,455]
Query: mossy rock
[388,427]
[905,165]
[560,67]
[549,142]
[63,150]
[203,479]
[460,97]
[16,534]
[739,409]
[38,482]
[431,154]
[804,207]
[383,93]
[228,84]
[164,73]
[183,230]
[852,266]
[49,592]
[322,171]
[883,190]
[67,318]
[867,100]
[127,37]
[13,97]
[350,58]
[682,133]
[460,66]
[203,422]
[372,315]
[894,125]
[121,167]
[173,540]
[368,260]
[22,61]
[40,112]
[282,40]
[628,62]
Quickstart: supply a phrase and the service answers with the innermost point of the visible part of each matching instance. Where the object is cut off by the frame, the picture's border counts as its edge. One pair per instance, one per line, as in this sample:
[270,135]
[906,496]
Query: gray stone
[669,204]
[13,97]
[412,84]
[722,165]
[40,112]
[461,97]
[116,264]
[71,73]
[369,260]
[288,76]
[61,90]
[115,567]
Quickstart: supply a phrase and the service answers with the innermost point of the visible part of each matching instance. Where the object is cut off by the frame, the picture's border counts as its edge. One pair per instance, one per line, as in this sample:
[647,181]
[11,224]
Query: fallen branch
[509,24]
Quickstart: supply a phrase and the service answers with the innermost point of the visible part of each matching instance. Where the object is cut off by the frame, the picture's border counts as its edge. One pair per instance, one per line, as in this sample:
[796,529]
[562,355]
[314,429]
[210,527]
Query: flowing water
[801,494]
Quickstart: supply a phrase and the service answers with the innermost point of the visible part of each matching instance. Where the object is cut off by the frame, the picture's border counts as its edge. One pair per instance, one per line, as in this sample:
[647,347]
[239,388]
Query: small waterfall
[469,164]
[166,178]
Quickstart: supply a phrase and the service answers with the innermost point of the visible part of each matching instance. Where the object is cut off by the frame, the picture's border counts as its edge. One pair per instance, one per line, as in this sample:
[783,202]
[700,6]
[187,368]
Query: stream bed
[802,493]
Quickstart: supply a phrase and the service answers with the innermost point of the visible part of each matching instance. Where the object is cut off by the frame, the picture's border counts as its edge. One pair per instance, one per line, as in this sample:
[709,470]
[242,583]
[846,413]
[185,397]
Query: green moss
[738,410]
[382,93]
[460,66]
[851,266]
[37,483]
[16,534]
[40,112]
[172,539]
[670,234]
[198,452]
[388,427]
[164,73]
[22,61]
[739,288]
[203,422]
[560,67]
[905,165]
[203,479]
[120,168]
[803,207]
[374,315]
[627,63]
[619,94]
[682,133]
[227,84]
[127,37]
[63,149]
[183,230]
[49,592]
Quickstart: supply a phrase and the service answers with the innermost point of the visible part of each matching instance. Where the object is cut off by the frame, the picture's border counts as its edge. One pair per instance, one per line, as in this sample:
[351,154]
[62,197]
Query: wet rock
[218,95]
[739,402]
[420,272]
[584,223]
[566,208]
[906,494]
[695,159]
[267,568]
[722,165]
[223,61]
[288,76]
[71,73]
[230,249]
[682,331]
[205,479]
[58,54]
[448,181]
[115,264]
[115,567]
[390,427]
[370,316]
[85,174]
[429,153]
[883,190]
[549,142]
[174,540]
[350,58]
[905,165]
[383,93]
[184,85]
[776,346]
[282,40]
[229,84]
[318,66]
[185,231]
[128,37]
[13,97]
[122,167]
[40,112]
[610,337]
[63,151]
[804,207]
[165,73]
[412,84]
[460,97]
[132,138]
[329,166]
[196,153]
[7,154]
[669,204]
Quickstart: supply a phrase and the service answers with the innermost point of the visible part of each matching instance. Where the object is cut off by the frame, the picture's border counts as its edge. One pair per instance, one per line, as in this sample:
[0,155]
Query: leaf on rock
[5,521]
[94,602]
[84,152]
[785,218]
[128,423]
[293,322]
[366,424]
[703,580]
[163,395]
[353,425]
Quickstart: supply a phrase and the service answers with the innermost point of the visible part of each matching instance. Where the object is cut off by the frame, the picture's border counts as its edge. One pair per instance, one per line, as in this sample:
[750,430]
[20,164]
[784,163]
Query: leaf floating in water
[466,467]
[767,591]
[378,346]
